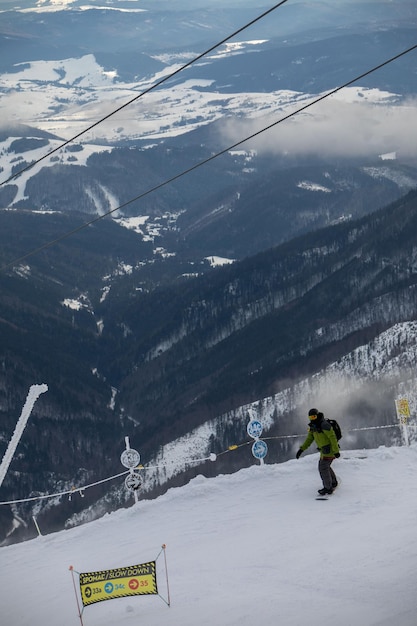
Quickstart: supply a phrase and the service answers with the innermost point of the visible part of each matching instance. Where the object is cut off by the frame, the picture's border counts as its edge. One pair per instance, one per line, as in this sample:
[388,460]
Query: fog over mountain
[368,128]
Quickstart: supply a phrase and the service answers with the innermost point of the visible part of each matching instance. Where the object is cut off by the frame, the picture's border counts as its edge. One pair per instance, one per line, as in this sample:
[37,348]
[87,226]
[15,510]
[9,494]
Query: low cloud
[334,128]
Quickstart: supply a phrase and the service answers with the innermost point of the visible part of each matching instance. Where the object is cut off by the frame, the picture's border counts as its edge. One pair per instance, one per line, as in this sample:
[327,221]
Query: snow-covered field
[65,96]
[251,547]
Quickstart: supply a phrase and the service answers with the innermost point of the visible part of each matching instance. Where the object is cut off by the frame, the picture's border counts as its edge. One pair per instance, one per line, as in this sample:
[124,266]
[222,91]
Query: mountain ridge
[290,309]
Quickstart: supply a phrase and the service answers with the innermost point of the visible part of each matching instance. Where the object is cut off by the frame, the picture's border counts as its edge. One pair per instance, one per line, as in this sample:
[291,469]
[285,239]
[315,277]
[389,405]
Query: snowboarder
[321,431]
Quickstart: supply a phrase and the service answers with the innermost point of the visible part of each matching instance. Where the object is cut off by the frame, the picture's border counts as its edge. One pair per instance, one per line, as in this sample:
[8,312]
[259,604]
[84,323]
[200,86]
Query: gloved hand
[337,455]
[299,453]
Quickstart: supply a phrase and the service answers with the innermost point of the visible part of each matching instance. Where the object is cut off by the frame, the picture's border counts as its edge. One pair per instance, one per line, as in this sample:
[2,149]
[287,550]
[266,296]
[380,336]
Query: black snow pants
[326,473]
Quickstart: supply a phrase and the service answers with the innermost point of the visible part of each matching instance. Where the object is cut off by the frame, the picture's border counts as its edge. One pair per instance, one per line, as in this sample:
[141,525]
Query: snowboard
[329,496]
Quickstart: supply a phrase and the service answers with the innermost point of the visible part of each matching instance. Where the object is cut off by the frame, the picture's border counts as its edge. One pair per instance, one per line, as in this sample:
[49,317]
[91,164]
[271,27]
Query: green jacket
[325,439]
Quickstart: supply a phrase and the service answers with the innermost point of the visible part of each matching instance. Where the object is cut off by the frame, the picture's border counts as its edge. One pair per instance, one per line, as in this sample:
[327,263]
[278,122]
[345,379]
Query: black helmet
[313,412]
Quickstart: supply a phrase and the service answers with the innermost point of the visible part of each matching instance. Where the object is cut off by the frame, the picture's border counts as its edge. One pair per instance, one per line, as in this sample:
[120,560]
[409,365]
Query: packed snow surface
[252,547]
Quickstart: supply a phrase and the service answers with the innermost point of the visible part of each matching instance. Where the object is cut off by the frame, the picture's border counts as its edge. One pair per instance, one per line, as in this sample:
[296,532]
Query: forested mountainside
[235,334]
[155,363]
[281,202]
[234,206]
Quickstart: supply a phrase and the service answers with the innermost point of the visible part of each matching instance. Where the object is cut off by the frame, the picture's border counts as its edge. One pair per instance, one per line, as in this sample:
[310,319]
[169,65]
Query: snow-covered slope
[385,363]
[254,546]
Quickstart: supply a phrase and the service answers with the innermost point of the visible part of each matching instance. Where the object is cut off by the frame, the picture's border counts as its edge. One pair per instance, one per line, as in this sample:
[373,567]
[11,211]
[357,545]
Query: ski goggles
[312,417]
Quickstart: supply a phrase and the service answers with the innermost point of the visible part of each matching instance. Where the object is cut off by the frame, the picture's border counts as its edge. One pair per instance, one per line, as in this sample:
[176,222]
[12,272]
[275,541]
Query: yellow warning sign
[134,580]
[403,409]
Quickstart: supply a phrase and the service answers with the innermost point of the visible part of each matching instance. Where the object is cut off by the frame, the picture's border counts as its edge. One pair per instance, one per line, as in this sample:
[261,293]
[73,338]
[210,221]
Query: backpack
[337,430]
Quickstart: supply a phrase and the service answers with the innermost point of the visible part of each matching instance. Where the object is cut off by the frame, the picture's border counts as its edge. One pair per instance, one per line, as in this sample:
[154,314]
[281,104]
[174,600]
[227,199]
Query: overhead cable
[204,161]
[212,457]
[151,88]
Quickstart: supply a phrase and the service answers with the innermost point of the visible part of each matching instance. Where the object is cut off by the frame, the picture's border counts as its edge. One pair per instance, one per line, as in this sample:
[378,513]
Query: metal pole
[34,393]
[76,596]
[37,526]
[166,573]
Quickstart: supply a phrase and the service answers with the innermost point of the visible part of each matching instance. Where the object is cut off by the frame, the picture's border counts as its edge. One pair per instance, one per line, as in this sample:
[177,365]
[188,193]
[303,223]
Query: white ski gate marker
[130,458]
[133,482]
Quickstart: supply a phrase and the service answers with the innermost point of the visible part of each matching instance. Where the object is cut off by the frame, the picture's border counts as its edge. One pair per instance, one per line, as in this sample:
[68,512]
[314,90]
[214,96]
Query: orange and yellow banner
[134,580]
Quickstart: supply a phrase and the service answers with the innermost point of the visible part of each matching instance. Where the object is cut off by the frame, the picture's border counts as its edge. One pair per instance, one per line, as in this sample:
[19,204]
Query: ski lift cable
[211,457]
[168,181]
[151,88]
[68,492]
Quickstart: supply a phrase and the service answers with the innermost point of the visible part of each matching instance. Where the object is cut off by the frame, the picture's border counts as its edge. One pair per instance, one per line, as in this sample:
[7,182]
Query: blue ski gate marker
[254,429]
[259,449]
